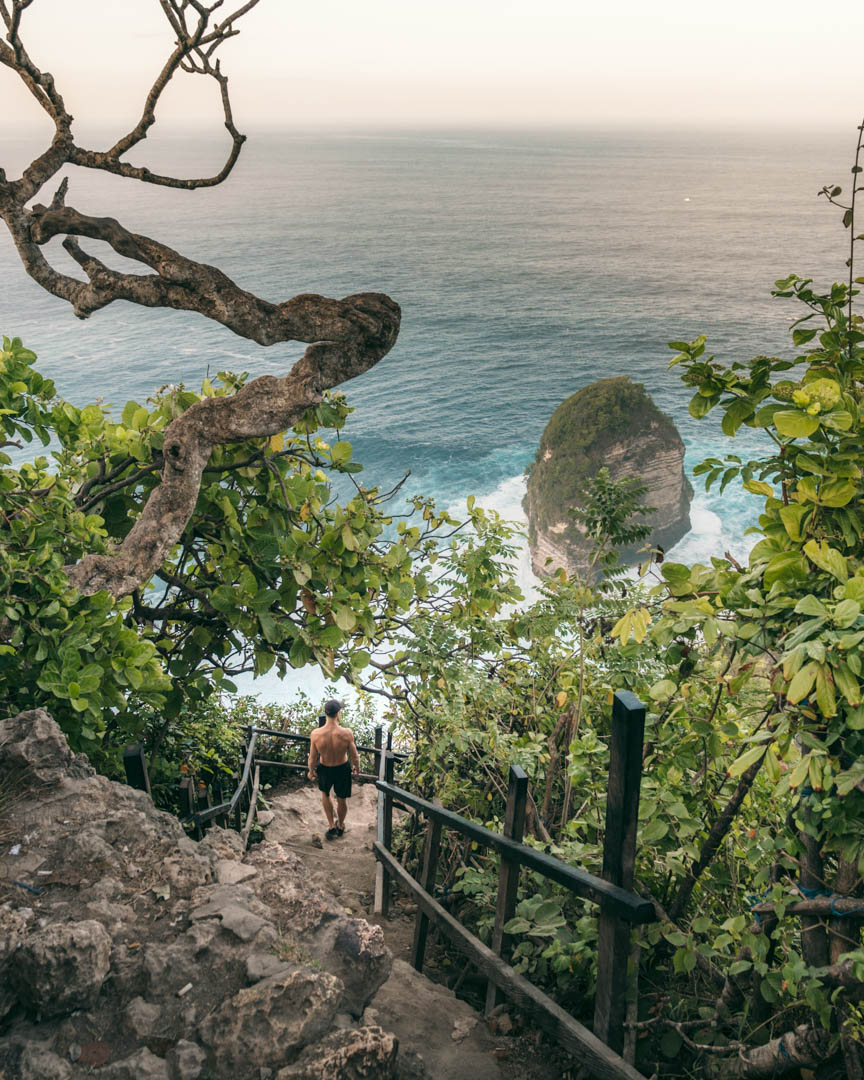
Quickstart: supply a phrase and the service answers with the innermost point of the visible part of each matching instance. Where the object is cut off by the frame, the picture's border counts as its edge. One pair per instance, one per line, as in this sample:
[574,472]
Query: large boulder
[38,1062]
[270,1022]
[34,750]
[142,1065]
[613,424]
[61,968]
[366,1053]
[359,958]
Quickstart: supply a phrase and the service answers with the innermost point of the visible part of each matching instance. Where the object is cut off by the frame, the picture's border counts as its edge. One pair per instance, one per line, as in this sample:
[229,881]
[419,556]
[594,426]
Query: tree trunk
[805,1046]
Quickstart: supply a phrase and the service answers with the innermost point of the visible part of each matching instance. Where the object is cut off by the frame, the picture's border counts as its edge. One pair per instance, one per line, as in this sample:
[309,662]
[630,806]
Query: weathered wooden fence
[620,908]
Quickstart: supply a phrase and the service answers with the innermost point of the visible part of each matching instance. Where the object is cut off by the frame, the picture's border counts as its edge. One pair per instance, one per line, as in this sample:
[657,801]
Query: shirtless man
[329,748]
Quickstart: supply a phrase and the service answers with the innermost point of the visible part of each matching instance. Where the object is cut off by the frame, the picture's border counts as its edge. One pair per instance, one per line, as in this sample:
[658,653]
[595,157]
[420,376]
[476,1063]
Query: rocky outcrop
[129,951]
[612,424]
[61,968]
[361,1054]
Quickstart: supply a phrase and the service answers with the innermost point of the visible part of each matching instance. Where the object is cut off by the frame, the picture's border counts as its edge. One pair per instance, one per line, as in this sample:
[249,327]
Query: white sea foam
[710,534]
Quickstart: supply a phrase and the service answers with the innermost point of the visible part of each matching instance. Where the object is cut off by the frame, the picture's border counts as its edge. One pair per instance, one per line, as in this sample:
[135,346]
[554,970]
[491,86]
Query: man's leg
[341,811]
[328,808]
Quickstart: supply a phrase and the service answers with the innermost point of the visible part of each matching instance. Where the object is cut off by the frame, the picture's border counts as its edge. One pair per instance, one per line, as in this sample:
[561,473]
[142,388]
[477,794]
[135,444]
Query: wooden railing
[245,798]
[620,908]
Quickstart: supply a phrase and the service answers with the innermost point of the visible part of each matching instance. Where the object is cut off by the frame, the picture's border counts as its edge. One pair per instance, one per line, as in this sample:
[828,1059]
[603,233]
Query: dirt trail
[447,1036]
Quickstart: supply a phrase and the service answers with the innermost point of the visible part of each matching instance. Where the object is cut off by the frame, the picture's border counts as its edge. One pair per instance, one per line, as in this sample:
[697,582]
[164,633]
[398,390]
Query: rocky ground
[434,1028]
[130,952]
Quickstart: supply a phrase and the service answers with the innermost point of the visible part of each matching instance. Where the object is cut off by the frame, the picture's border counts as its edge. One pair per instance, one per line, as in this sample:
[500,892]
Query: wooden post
[619,855]
[135,765]
[187,801]
[253,807]
[385,825]
[427,881]
[380,876]
[378,731]
[508,873]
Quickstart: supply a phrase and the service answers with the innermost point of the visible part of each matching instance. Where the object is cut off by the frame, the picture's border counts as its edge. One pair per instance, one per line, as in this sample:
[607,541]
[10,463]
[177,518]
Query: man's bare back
[333,744]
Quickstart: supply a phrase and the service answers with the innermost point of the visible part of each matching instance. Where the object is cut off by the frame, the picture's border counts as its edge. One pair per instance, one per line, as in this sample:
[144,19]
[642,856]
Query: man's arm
[313,758]
[352,753]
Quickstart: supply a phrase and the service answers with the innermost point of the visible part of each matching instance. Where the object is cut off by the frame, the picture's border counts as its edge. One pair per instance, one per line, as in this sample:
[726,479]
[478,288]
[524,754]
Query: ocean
[526,264]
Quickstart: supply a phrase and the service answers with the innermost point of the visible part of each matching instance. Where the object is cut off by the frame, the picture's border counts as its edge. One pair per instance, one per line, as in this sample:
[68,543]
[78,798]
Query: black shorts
[337,777]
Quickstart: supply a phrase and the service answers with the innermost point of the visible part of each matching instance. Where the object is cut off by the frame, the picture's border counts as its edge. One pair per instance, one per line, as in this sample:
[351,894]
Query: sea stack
[612,423]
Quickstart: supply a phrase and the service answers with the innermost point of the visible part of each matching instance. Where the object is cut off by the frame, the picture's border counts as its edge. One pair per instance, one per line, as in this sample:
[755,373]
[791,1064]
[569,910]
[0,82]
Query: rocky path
[130,952]
[436,1031]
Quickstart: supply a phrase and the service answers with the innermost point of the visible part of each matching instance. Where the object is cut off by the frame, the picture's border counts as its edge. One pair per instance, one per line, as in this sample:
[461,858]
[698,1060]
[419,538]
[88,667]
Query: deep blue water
[526,265]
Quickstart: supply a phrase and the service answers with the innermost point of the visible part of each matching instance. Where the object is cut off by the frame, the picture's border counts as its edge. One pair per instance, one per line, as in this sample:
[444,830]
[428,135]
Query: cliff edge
[612,423]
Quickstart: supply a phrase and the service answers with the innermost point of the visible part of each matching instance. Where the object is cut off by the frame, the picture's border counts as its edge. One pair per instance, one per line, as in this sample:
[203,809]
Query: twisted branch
[346,337]
[261,408]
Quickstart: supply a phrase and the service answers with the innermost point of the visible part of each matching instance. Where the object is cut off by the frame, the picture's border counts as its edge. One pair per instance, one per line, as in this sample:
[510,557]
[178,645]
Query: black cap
[333,707]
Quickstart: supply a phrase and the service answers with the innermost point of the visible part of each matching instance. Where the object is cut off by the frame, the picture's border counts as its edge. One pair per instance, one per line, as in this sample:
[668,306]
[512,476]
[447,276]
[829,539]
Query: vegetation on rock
[610,424]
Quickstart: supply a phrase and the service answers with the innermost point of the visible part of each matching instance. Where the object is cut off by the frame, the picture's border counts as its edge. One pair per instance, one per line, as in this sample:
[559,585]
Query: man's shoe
[340,830]
[331,834]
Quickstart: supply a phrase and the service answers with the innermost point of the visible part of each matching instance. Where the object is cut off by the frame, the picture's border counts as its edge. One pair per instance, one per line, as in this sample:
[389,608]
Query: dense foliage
[753,786]
[272,569]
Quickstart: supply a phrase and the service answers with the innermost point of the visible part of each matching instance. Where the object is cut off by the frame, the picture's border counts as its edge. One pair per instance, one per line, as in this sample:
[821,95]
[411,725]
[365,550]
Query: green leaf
[758,487]
[330,637]
[269,628]
[846,612]
[655,830]
[837,418]
[792,517]
[811,605]
[344,618]
[746,760]
[795,424]
[302,573]
[846,683]
[802,684]
[662,690]
[827,558]
[340,452]
[700,406]
[223,598]
[517,926]
[799,773]
[786,566]
[825,698]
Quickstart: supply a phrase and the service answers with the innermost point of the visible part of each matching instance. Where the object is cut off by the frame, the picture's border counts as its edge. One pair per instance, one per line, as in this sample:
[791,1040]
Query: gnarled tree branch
[346,337]
[263,407]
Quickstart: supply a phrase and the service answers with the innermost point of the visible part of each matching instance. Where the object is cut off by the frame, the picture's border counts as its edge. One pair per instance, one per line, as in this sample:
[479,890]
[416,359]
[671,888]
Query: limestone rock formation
[128,949]
[366,1053]
[611,423]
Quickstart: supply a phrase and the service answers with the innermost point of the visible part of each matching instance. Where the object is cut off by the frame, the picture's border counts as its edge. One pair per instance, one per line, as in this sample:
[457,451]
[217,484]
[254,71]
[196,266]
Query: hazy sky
[467,62]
